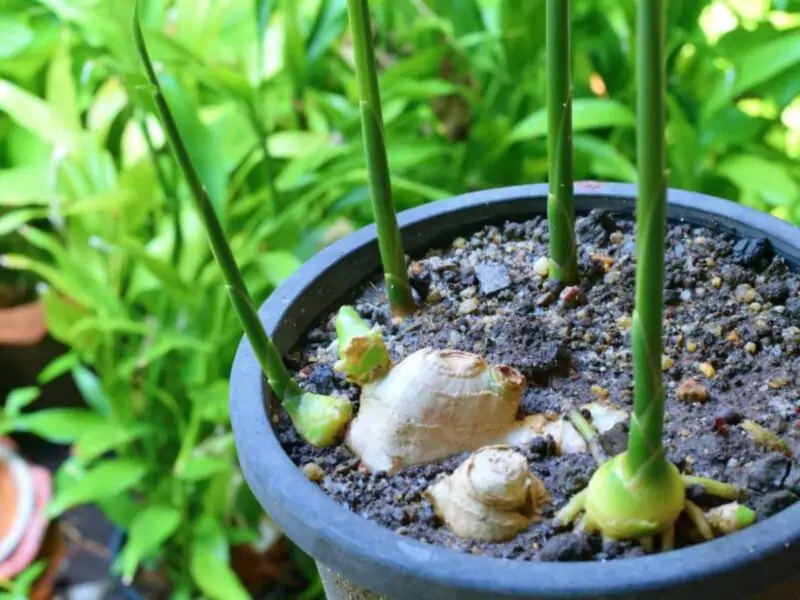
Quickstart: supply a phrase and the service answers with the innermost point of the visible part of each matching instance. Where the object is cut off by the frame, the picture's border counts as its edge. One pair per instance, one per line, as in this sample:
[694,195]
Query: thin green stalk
[560,200]
[317,418]
[296,59]
[645,448]
[257,121]
[256,108]
[269,357]
[170,194]
[398,289]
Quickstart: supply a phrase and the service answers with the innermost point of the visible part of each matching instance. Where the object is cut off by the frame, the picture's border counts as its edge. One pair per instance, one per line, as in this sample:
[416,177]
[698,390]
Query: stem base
[623,506]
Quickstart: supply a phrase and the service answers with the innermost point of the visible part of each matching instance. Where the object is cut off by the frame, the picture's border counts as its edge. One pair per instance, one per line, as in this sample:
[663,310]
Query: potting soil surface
[731,353]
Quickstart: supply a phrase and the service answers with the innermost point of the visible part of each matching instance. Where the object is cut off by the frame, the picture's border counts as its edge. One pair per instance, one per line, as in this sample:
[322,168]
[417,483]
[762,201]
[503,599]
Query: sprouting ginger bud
[491,497]
[319,419]
[730,518]
[363,356]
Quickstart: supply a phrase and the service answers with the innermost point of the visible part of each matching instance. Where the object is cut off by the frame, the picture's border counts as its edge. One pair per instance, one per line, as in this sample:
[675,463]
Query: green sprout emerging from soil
[319,419]
[398,288]
[560,200]
[639,493]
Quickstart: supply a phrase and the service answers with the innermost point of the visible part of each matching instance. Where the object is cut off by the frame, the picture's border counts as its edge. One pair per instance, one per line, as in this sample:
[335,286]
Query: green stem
[317,418]
[257,121]
[560,200]
[646,457]
[398,289]
[726,491]
[296,59]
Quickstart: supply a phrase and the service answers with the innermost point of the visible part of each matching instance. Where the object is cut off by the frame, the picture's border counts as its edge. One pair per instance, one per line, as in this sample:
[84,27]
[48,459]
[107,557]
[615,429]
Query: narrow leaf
[209,563]
[587,114]
[148,532]
[105,480]
[19,399]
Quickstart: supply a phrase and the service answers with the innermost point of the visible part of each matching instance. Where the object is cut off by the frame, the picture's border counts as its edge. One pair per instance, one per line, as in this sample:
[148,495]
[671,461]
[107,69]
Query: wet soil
[732,352]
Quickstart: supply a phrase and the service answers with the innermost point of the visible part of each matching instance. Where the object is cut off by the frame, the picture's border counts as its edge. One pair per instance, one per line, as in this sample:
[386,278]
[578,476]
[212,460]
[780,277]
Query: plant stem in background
[295,56]
[645,447]
[398,289]
[317,418]
[560,201]
[255,109]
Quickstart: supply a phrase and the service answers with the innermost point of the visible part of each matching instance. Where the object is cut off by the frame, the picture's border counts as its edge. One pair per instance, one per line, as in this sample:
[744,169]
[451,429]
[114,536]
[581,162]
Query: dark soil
[732,309]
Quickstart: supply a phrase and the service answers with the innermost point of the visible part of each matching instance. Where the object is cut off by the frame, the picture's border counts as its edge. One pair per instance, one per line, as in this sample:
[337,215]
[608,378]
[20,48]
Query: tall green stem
[560,201]
[645,448]
[398,289]
[318,418]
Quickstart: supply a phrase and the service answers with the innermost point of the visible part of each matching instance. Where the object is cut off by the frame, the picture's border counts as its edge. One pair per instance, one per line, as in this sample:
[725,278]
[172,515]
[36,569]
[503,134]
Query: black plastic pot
[360,559]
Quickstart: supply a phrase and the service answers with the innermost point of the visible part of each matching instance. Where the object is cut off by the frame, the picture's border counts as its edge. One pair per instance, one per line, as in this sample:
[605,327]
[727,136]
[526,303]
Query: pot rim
[377,557]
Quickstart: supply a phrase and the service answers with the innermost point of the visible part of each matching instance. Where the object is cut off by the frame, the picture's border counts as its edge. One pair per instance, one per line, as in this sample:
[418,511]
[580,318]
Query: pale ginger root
[566,438]
[605,415]
[730,518]
[491,497]
[431,405]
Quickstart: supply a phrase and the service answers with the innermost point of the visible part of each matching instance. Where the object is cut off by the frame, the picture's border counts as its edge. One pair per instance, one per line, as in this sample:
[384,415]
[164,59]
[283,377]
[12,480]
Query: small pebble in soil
[492,277]
[768,473]
[774,502]
[567,547]
[573,296]
[542,266]
[692,391]
[753,253]
[313,471]
[745,293]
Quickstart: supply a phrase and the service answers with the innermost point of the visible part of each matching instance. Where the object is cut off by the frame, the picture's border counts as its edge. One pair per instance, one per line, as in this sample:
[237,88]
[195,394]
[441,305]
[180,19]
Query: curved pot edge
[355,547]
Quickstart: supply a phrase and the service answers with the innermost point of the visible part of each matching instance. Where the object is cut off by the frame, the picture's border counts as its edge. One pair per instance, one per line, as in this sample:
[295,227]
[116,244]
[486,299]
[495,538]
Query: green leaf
[26,185]
[16,35]
[296,144]
[35,116]
[199,468]
[276,266]
[165,273]
[211,401]
[57,368]
[197,138]
[210,564]
[766,178]
[331,21]
[58,425]
[105,438]
[587,114]
[148,532]
[13,220]
[61,93]
[294,45]
[19,398]
[765,61]
[606,161]
[106,480]
[164,345]
[91,389]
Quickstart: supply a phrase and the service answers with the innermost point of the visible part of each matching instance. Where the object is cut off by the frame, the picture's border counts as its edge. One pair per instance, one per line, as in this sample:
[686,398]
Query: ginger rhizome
[491,496]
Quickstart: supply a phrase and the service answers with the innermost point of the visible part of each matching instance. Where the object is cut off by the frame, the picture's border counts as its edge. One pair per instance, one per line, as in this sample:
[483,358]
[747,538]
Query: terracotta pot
[26,536]
[23,325]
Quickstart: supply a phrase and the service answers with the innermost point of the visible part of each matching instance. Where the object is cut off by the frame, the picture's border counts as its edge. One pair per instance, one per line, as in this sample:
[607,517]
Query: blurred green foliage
[92,203]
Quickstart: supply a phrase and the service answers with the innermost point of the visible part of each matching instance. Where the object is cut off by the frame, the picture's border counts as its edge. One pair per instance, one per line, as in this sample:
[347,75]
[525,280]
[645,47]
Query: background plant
[265,94]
